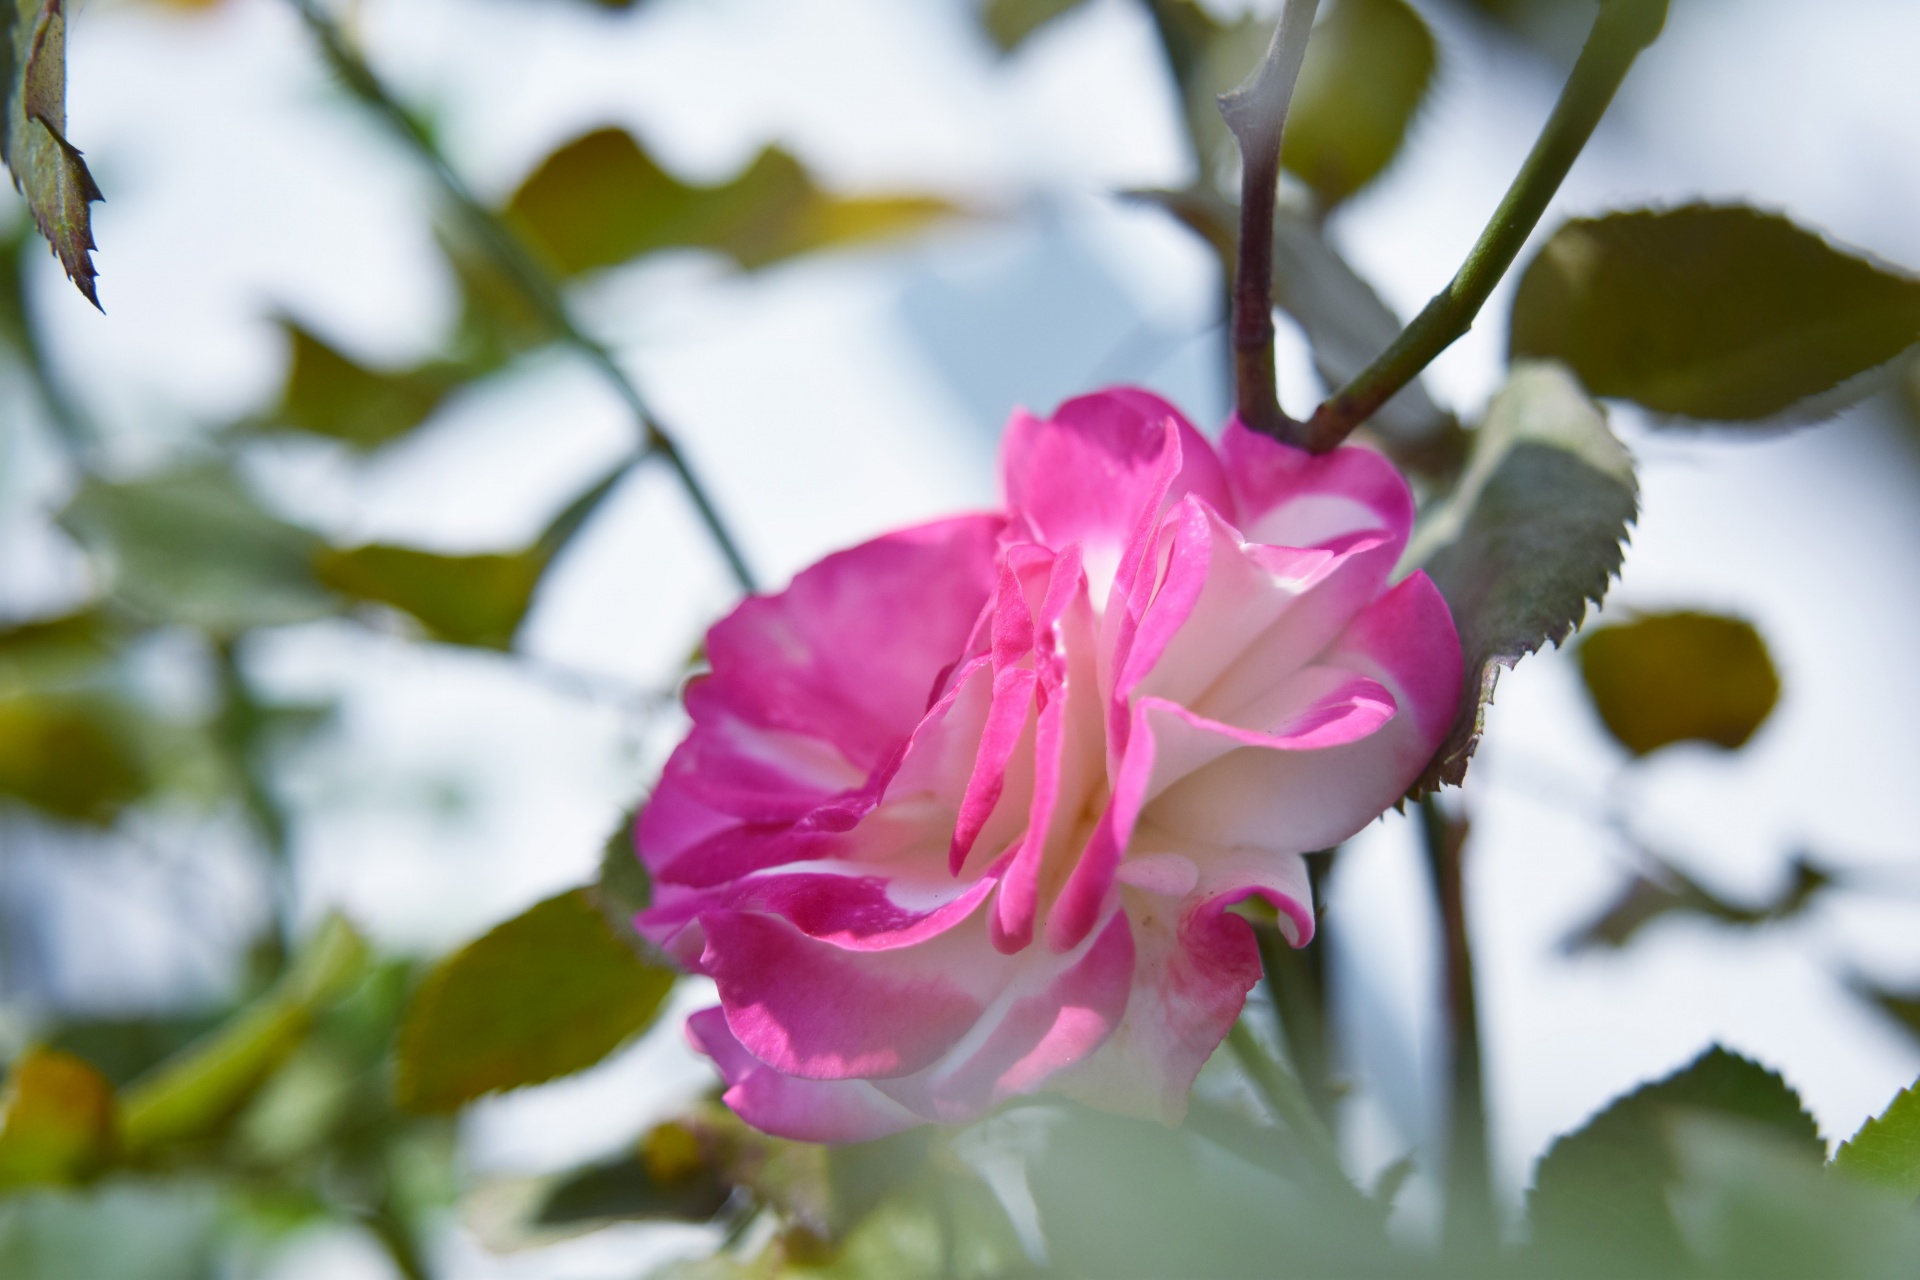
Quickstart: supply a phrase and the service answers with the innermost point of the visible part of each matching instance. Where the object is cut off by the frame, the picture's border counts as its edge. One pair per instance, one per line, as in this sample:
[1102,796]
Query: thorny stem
[1256,112]
[1469,1225]
[1622,29]
[527,274]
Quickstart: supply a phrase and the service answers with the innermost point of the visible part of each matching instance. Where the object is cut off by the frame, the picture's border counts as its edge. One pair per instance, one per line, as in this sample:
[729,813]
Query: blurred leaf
[476,600]
[55,647]
[1344,319]
[668,1178]
[74,756]
[1679,677]
[46,167]
[1533,532]
[119,1232]
[193,1094]
[1599,1200]
[1010,22]
[193,547]
[59,1124]
[546,994]
[329,394]
[601,200]
[1902,1007]
[1714,313]
[623,889]
[1366,70]
[1669,891]
[1886,1150]
[861,1174]
[124,1048]
[1751,1207]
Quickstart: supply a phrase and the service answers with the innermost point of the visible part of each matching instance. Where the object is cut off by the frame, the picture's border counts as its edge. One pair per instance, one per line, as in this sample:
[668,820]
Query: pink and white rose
[963,807]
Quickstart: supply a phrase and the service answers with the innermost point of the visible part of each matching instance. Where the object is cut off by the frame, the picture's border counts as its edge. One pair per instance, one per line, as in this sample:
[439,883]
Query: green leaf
[193,1094]
[194,547]
[1679,677]
[1902,1007]
[46,167]
[624,888]
[129,1231]
[329,394]
[601,200]
[1886,1151]
[75,756]
[476,600]
[669,1177]
[55,648]
[1668,891]
[546,994]
[1367,68]
[1009,22]
[1533,532]
[1716,313]
[1599,1200]
[59,1125]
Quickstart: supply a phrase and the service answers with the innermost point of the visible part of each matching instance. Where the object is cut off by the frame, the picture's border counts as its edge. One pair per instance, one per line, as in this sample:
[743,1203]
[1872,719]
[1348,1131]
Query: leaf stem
[1256,112]
[1622,29]
[527,274]
[1468,1223]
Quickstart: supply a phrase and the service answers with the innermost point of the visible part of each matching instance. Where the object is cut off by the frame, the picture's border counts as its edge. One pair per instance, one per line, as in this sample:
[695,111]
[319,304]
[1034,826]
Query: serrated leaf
[548,993]
[329,394]
[602,200]
[1600,1196]
[1665,890]
[474,600]
[1009,22]
[1679,677]
[195,1093]
[75,756]
[194,547]
[1715,313]
[1886,1150]
[59,1121]
[1367,69]
[47,169]
[1534,532]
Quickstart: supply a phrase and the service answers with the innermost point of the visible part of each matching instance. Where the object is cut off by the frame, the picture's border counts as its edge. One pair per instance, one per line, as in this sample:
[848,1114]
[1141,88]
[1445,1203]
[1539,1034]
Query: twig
[1256,112]
[527,274]
[1469,1225]
[1622,29]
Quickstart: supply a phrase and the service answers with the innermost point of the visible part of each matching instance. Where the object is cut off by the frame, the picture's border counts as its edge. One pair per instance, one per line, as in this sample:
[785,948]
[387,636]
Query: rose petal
[786,1107]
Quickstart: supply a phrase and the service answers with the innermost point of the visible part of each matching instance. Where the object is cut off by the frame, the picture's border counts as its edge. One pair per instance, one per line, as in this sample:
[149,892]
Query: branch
[527,274]
[1256,112]
[1622,29]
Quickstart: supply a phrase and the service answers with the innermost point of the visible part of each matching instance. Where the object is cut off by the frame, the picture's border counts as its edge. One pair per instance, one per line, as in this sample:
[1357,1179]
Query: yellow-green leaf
[477,600]
[46,167]
[548,993]
[1679,677]
[1008,23]
[59,1120]
[1366,70]
[602,200]
[1886,1151]
[197,1091]
[75,756]
[1533,532]
[1715,313]
[329,394]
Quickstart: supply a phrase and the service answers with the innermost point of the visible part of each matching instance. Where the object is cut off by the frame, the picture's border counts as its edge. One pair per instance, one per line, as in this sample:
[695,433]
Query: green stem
[1288,1101]
[1622,29]
[533,281]
[1296,981]
[1469,1222]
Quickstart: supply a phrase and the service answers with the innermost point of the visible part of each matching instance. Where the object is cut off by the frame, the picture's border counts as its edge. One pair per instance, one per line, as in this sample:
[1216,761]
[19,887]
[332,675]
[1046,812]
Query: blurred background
[295,337]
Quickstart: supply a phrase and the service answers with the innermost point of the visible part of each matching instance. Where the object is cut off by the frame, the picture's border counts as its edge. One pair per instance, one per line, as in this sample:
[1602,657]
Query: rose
[962,808]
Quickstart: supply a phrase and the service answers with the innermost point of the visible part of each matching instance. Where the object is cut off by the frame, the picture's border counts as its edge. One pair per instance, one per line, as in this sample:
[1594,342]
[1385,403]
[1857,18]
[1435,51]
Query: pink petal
[1098,467]
[1058,1011]
[786,1107]
[1288,497]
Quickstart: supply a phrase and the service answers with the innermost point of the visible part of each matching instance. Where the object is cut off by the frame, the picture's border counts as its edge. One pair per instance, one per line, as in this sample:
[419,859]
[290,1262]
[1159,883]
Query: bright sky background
[829,400]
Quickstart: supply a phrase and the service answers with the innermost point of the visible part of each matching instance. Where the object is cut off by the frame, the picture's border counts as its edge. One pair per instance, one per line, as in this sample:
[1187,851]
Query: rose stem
[1256,112]
[1288,1102]
[511,256]
[1468,1223]
[1622,29]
